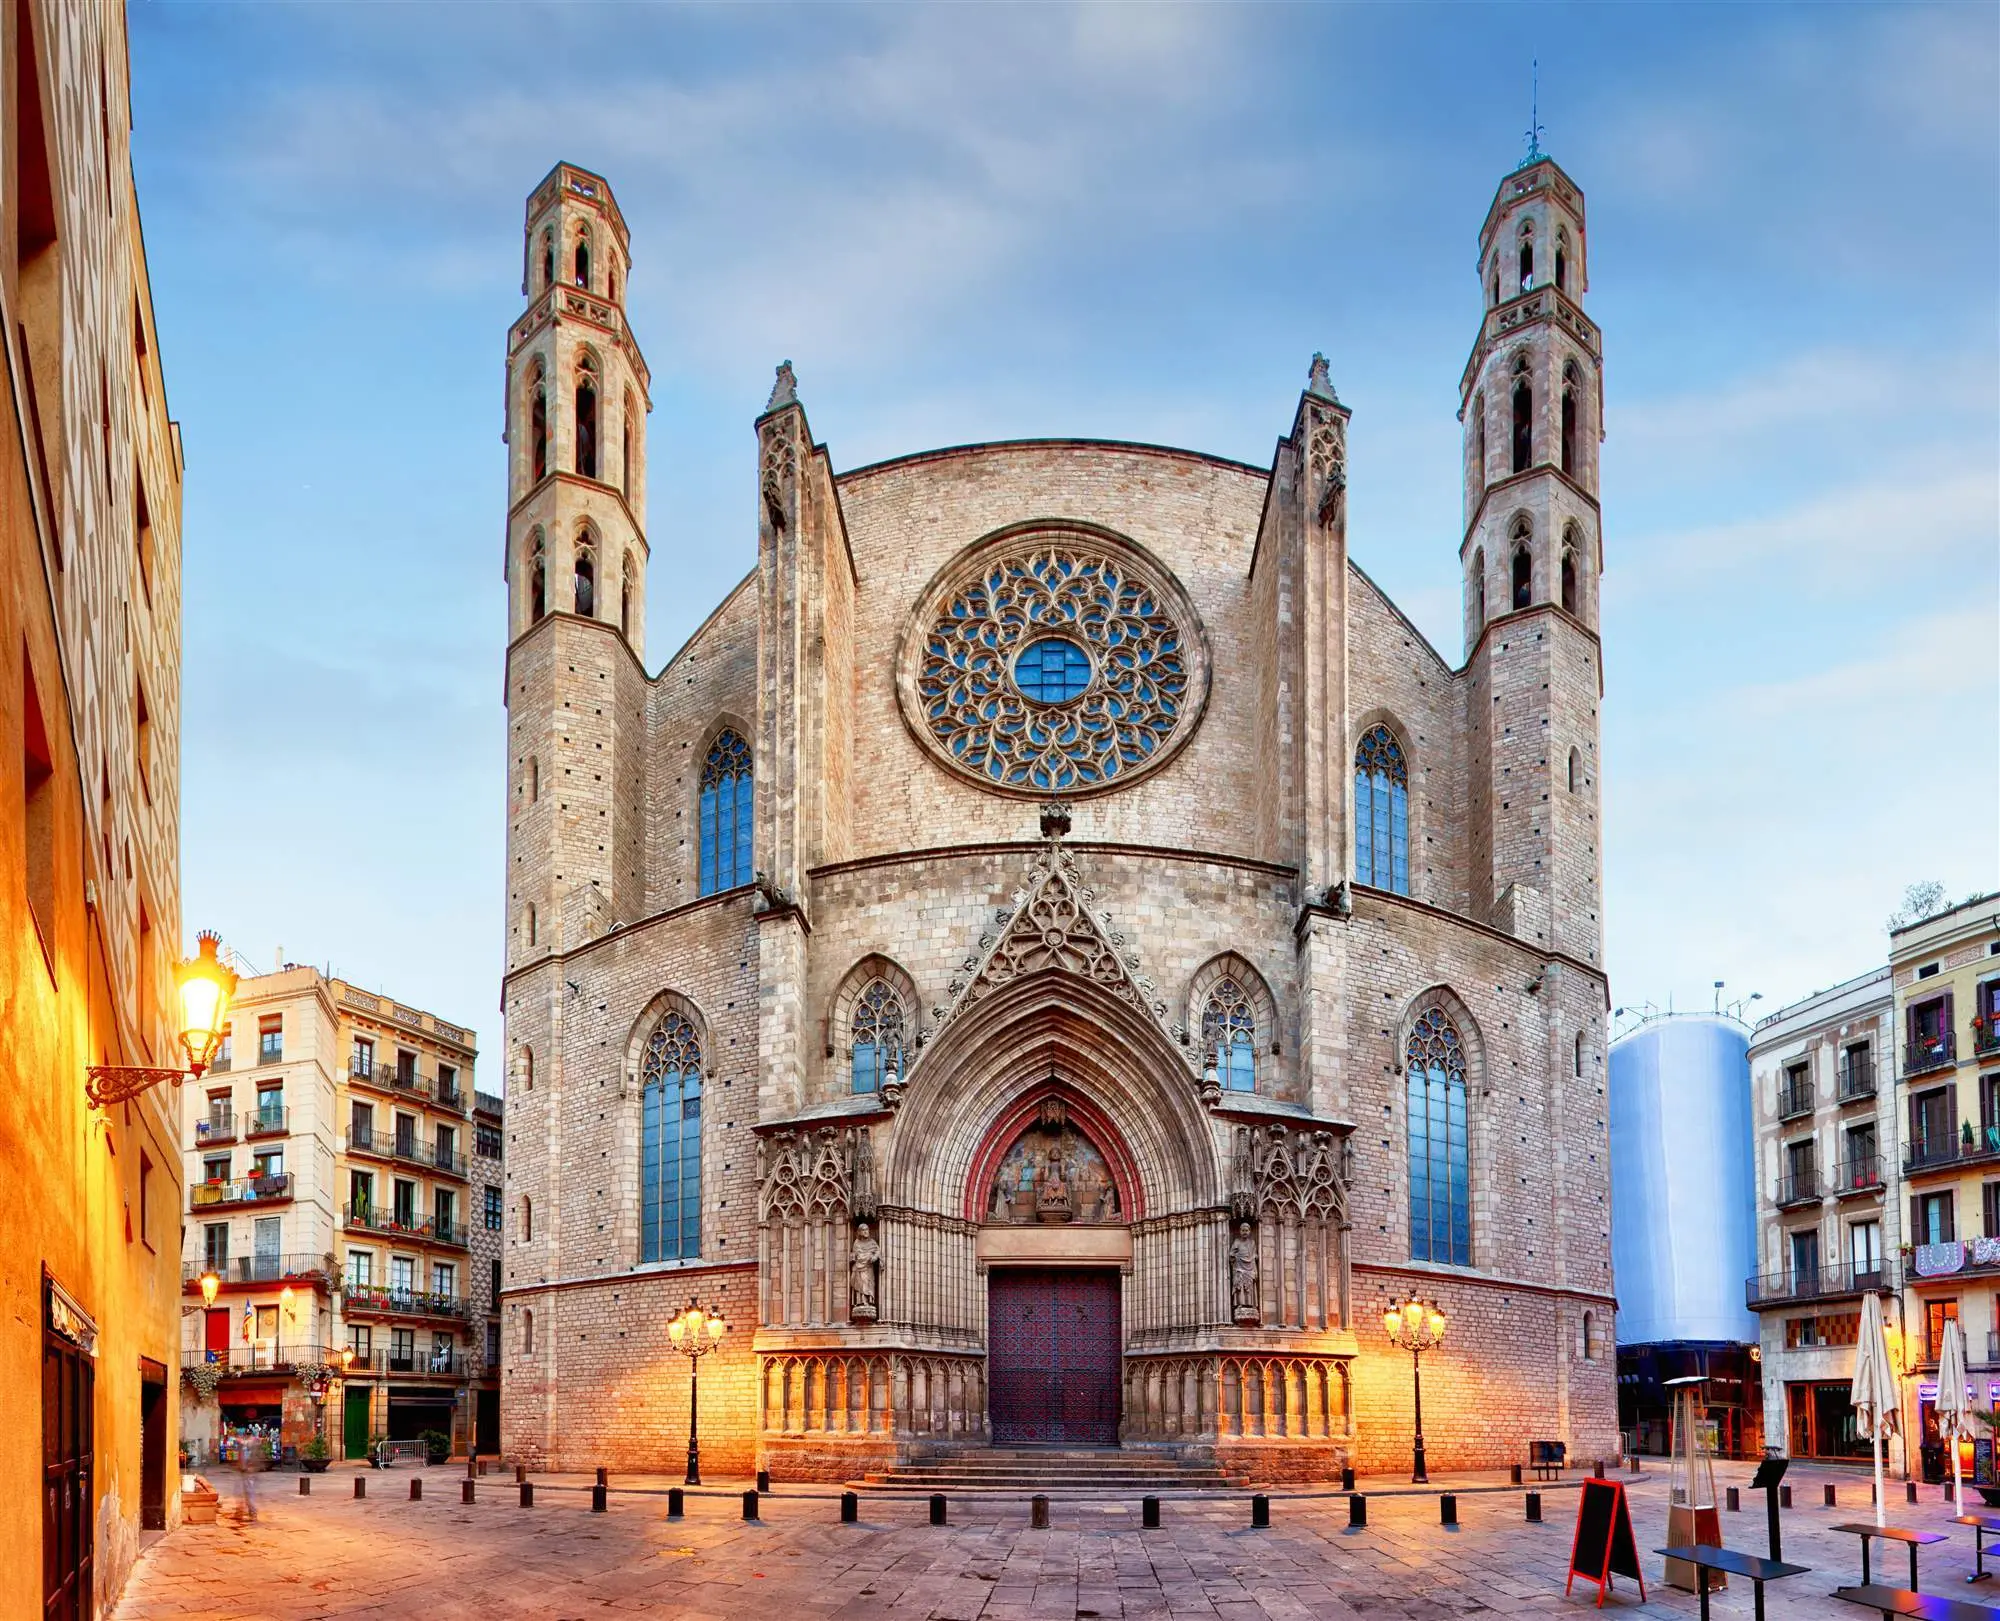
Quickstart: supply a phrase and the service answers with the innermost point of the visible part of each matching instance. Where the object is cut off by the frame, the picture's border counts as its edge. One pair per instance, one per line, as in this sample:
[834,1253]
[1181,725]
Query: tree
[1920,901]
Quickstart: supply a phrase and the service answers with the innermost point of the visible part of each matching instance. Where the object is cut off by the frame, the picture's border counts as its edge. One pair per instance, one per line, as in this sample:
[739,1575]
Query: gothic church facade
[1057,952]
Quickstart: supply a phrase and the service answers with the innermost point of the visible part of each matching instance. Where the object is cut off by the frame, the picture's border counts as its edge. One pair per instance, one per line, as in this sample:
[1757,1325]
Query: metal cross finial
[1535,131]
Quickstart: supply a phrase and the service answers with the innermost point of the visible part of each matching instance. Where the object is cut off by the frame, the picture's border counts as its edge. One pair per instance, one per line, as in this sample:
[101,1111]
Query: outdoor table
[1890,1533]
[1981,1525]
[1894,1601]
[1705,1558]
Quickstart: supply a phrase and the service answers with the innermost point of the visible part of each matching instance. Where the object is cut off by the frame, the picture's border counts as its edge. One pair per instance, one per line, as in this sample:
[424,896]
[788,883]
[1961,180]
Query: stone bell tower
[576,571]
[1531,402]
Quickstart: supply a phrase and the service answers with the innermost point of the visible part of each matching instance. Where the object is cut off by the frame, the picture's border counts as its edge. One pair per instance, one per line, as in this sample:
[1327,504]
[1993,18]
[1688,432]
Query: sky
[1119,221]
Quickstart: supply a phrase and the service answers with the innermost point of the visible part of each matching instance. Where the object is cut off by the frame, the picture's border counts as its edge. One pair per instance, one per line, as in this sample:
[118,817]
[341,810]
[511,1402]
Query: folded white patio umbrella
[1877,1405]
[1954,1415]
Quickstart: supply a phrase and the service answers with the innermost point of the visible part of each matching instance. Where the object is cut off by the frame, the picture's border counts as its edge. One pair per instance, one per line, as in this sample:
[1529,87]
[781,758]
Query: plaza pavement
[273,1554]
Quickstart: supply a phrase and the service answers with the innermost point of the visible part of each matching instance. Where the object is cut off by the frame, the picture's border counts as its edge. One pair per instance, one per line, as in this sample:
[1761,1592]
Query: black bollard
[749,1505]
[1357,1511]
[416,1488]
[597,1496]
[1038,1512]
[473,1467]
[1910,1488]
[1534,1508]
[360,1485]
[850,1508]
[1448,1508]
[603,1475]
[675,1503]
[1784,1497]
[1347,1479]
[465,1490]
[1947,1492]
[520,1474]
[1260,1512]
[763,1480]
[1149,1513]
[305,1485]
[1597,1469]
[527,1494]
[1735,1501]
[1831,1500]
[1514,1474]
[937,1508]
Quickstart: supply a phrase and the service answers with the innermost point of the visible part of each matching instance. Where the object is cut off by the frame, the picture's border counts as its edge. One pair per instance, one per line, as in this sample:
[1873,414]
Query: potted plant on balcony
[203,1378]
[313,1457]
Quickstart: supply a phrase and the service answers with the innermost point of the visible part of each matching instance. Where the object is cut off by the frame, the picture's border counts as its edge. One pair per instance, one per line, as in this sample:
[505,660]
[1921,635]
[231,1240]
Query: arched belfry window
[1572,386]
[726,808]
[538,578]
[538,428]
[1562,259]
[1523,576]
[625,445]
[1527,257]
[586,417]
[628,579]
[586,578]
[1229,1036]
[548,260]
[1569,575]
[1440,1158]
[1479,439]
[670,1141]
[1479,586]
[1524,418]
[875,1031]
[583,262]
[1381,812]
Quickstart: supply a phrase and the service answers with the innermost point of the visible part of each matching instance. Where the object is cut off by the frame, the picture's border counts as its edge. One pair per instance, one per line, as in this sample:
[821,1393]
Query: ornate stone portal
[1053,1173]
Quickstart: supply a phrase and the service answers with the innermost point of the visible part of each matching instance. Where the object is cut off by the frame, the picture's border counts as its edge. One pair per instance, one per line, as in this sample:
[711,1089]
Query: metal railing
[259,1269]
[1992,1346]
[405,1302]
[1799,1186]
[256,1358]
[217,1128]
[243,1190]
[268,1123]
[417,1364]
[408,1151]
[270,1055]
[1963,1147]
[425,1228]
[1818,1283]
[1795,1097]
[1858,1174]
[1986,1038]
[1934,1052]
[1857,1079]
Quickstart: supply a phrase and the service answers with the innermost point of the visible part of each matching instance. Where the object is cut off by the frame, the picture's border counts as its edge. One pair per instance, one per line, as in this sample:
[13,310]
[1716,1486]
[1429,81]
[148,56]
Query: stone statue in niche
[1243,1275]
[1053,1173]
[863,1262]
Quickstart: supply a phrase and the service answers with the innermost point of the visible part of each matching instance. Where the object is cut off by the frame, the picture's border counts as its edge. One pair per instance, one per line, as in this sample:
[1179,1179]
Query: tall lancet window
[538,429]
[1229,1036]
[876,1027]
[548,260]
[586,579]
[583,262]
[1524,418]
[1434,1082]
[670,1142]
[586,417]
[1572,386]
[726,808]
[1381,812]
[538,579]
[628,580]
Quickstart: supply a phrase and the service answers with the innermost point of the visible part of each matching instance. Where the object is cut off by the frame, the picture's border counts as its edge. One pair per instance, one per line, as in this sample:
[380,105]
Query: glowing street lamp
[206,984]
[1417,1326]
[210,1283]
[695,1333]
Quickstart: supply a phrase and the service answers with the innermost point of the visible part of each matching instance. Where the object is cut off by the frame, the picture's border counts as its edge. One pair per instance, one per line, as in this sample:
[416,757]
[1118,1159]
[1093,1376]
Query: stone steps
[1028,1469]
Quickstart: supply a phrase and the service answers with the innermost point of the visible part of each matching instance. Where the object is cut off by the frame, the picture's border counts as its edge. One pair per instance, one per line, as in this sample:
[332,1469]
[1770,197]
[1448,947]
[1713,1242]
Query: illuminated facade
[1055,885]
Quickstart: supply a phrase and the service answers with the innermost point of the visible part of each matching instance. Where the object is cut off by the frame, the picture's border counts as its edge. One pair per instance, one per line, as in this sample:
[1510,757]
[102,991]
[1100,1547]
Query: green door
[357,1422]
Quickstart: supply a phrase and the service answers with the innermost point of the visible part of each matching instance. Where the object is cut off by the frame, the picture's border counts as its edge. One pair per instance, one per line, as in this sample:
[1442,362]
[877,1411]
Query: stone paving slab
[273,1554]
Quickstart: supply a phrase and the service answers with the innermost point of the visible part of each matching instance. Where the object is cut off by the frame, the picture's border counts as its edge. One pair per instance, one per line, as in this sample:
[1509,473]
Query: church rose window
[1434,1077]
[1054,664]
[726,807]
[877,1031]
[1229,1034]
[670,1142]
[1381,813]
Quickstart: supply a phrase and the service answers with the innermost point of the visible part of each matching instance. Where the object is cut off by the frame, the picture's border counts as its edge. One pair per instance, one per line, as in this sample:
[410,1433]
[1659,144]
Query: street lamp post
[695,1333]
[1418,1327]
[205,985]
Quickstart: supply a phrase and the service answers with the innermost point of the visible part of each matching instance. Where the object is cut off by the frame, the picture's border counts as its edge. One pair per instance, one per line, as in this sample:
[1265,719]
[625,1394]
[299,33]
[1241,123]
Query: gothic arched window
[1381,812]
[1479,439]
[538,579]
[1571,383]
[1479,585]
[670,1141]
[1562,259]
[876,1032]
[527,1333]
[527,1235]
[1229,1036]
[1524,418]
[1527,257]
[583,262]
[726,806]
[586,580]
[1440,1158]
[625,446]
[527,1069]
[548,260]
[1523,580]
[586,418]
[1569,579]
[627,579]
[1575,778]
[538,431]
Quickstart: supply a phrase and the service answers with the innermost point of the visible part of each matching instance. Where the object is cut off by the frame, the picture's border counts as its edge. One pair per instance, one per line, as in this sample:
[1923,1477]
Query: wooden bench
[1545,1458]
[1899,1601]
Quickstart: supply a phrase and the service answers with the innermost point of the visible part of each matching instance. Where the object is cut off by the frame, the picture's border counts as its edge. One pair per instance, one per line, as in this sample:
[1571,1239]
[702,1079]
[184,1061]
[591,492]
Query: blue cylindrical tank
[1683,1187]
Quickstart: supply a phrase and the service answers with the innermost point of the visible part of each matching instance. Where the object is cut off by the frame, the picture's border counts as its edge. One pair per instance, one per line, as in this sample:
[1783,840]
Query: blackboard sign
[1603,1545]
[1982,1460]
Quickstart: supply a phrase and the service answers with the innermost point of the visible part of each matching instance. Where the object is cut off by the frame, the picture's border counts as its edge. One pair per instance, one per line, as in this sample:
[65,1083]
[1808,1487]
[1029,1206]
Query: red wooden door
[1053,1354]
[215,1334]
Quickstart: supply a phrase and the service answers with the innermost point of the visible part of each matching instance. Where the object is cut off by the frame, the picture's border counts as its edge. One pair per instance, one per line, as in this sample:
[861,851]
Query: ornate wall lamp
[206,985]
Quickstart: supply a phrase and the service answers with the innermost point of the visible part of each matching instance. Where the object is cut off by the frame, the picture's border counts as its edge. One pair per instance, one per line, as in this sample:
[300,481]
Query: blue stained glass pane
[708,884]
[1052,670]
[1364,822]
[867,1066]
[1239,1071]
[1399,839]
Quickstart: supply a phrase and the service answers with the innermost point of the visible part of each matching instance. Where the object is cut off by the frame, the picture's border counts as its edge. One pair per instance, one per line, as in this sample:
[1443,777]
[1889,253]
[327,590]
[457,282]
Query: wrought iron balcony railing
[1929,1053]
[259,1269]
[268,1123]
[257,1358]
[1862,1174]
[404,1302]
[1795,1097]
[244,1190]
[1814,1283]
[1857,1079]
[218,1128]
[1799,1187]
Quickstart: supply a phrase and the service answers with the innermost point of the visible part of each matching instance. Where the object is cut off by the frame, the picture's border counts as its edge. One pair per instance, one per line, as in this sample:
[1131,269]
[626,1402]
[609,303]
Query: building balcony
[416,1365]
[216,1130]
[1857,1176]
[1969,1148]
[1857,1080]
[268,1123]
[239,1271]
[1801,1187]
[247,1190]
[1953,1259]
[1986,1039]
[1795,1098]
[410,1085]
[1818,1283]
[409,1151]
[1932,1052]
[374,1302]
[414,1228]
[261,1360]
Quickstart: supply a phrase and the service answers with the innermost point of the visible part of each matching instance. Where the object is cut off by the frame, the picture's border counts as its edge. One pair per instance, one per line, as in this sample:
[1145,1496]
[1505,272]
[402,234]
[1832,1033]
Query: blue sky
[1122,221]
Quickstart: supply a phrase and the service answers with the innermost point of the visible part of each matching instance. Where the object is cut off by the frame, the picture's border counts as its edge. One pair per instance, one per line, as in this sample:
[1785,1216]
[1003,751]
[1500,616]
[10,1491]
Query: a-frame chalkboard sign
[1604,1545]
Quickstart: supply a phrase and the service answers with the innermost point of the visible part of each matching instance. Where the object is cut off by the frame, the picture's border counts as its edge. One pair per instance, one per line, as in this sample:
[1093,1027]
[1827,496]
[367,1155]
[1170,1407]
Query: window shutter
[1946,1028]
[1916,1221]
[1950,1227]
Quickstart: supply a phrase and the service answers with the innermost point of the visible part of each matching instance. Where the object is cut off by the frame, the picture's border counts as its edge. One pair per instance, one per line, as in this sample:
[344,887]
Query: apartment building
[90,687]
[488,1238]
[1946,973]
[1822,1077]
[330,1193]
